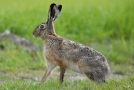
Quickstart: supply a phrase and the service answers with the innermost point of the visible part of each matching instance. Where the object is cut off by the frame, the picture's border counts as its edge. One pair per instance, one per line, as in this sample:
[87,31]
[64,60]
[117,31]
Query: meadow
[105,25]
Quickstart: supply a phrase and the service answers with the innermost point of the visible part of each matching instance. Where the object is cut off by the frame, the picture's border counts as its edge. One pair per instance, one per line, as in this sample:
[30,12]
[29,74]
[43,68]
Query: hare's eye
[42,26]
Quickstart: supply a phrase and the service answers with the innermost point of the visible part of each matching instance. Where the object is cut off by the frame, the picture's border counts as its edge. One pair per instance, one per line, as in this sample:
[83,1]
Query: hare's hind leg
[50,67]
[85,69]
[92,72]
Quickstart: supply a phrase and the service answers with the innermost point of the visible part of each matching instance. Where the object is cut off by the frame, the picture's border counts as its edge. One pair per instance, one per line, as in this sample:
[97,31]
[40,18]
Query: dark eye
[42,26]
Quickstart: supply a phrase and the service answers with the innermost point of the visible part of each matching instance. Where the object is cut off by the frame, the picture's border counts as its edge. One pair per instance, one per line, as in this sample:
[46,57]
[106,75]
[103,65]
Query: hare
[67,54]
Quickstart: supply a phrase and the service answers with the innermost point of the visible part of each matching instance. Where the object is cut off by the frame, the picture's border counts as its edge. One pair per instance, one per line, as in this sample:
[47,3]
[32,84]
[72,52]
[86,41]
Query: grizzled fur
[67,54]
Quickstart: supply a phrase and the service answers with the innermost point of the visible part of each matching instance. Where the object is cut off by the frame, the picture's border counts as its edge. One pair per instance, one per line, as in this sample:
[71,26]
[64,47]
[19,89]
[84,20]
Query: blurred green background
[105,25]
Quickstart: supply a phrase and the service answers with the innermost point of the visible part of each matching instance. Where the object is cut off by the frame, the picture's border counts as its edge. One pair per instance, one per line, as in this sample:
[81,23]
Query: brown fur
[69,55]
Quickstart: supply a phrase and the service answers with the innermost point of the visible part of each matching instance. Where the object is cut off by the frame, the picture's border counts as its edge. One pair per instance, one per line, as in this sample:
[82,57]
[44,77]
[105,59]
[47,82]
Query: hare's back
[80,51]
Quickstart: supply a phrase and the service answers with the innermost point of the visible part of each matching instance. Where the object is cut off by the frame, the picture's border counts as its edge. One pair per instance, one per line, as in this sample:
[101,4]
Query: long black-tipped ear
[53,12]
[59,7]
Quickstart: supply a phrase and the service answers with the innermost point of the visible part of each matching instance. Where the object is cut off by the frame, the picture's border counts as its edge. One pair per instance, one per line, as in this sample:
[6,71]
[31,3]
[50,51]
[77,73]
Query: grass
[102,20]
[106,25]
[14,62]
[119,84]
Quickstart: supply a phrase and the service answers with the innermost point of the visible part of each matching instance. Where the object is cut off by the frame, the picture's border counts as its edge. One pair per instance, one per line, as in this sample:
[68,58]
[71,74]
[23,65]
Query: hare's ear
[53,12]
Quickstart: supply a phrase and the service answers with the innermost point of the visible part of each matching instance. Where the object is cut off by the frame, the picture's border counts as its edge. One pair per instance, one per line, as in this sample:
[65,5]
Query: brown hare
[67,54]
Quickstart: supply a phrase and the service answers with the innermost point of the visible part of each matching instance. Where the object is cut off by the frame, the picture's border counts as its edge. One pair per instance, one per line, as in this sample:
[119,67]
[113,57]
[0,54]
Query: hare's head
[47,28]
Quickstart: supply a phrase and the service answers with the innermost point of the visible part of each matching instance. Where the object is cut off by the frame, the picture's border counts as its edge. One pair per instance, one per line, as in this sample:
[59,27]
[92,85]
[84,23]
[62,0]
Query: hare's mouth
[36,36]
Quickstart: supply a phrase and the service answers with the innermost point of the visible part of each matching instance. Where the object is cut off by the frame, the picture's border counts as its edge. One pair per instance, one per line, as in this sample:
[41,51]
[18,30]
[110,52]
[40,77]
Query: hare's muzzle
[36,34]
